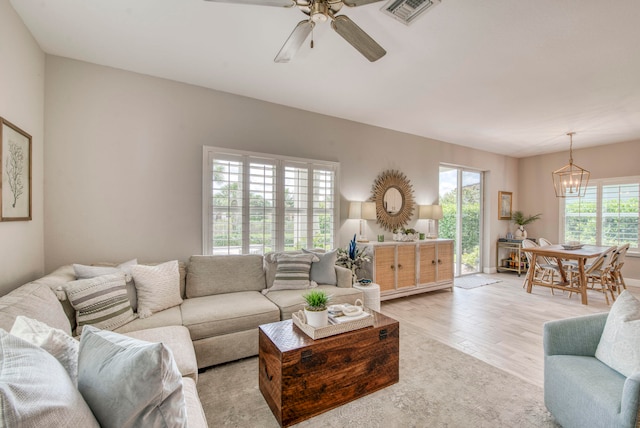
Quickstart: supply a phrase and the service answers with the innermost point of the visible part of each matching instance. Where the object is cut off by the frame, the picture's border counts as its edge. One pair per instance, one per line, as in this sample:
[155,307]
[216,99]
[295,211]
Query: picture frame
[505,200]
[15,173]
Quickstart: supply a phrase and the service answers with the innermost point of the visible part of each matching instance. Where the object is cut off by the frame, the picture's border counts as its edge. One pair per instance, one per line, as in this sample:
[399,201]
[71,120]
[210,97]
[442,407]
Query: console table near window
[510,257]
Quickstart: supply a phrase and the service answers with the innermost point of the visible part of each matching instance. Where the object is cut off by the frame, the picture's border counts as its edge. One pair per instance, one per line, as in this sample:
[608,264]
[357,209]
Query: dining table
[560,253]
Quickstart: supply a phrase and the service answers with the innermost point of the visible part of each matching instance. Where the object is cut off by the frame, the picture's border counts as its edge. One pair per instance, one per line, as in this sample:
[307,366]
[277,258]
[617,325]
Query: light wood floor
[498,323]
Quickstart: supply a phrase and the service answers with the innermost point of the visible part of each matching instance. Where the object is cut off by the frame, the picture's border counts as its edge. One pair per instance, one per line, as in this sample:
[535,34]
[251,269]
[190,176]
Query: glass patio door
[461,201]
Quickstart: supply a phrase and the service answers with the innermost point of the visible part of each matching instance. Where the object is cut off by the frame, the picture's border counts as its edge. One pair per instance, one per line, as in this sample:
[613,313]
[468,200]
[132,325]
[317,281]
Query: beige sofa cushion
[227,313]
[177,339]
[35,301]
[171,316]
[290,301]
[195,413]
[208,275]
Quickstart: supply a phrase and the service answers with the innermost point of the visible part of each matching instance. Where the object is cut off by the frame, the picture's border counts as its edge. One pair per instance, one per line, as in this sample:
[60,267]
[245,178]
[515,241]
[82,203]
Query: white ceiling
[507,76]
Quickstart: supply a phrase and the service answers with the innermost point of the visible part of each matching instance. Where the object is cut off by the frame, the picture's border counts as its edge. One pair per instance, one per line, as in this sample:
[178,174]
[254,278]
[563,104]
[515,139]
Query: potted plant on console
[521,220]
[316,310]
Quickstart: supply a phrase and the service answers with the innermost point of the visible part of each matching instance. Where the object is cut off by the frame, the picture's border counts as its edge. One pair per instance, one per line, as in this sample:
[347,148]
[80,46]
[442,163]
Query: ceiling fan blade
[295,40]
[354,3]
[358,38]
[276,3]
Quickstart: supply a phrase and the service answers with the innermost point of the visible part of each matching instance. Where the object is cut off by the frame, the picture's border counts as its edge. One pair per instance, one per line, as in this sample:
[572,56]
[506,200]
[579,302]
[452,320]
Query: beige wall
[21,103]
[536,194]
[123,161]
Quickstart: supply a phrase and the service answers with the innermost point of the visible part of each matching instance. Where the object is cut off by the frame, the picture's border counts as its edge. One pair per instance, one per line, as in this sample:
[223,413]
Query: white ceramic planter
[317,319]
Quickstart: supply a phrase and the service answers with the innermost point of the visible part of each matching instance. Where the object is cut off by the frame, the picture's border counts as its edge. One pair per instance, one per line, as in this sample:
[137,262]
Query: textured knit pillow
[128,382]
[292,272]
[56,342]
[619,346]
[324,270]
[35,390]
[100,301]
[158,287]
[85,272]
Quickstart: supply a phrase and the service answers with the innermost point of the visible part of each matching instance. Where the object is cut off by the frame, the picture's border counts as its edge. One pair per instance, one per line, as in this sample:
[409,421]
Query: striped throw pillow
[101,301]
[292,272]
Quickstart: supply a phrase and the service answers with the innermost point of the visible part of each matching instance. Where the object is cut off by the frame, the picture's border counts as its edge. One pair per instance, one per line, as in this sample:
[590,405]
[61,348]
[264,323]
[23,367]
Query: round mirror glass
[393,201]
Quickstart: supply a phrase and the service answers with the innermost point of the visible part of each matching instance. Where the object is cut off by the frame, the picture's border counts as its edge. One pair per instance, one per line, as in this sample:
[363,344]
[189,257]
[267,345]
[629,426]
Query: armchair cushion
[619,346]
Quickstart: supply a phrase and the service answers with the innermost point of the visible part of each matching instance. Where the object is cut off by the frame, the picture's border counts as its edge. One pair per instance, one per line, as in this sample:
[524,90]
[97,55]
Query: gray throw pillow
[129,382]
[324,271]
[35,390]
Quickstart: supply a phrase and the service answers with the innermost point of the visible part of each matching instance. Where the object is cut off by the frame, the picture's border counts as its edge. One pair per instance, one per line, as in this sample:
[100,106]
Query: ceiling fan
[320,11]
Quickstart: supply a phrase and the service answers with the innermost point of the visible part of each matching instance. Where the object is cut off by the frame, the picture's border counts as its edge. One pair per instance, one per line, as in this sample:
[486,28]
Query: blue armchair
[580,390]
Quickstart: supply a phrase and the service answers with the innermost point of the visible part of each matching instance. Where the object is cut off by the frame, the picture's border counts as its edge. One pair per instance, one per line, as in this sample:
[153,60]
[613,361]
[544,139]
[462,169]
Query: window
[607,214]
[256,203]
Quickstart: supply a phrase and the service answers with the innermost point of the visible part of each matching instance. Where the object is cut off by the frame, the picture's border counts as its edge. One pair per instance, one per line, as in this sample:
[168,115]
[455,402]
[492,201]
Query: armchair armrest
[344,277]
[574,336]
[630,399]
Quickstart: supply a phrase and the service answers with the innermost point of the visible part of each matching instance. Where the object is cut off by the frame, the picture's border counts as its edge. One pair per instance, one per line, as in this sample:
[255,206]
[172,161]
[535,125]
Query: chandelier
[570,180]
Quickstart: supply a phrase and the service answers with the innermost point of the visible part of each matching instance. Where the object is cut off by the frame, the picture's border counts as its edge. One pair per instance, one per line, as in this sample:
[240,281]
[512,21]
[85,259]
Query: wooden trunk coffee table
[300,377]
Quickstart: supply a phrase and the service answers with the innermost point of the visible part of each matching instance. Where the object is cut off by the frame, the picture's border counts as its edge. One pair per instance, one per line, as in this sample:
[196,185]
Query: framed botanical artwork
[504,205]
[15,173]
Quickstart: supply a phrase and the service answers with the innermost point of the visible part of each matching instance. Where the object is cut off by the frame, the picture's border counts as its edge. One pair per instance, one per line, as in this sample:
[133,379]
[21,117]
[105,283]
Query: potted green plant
[316,310]
[522,220]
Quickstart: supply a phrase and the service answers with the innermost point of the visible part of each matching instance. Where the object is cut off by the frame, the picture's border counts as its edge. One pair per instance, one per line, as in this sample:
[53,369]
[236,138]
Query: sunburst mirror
[393,195]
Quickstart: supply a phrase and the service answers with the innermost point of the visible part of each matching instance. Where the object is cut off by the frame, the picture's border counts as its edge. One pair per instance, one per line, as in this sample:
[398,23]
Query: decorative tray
[331,330]
[572,246]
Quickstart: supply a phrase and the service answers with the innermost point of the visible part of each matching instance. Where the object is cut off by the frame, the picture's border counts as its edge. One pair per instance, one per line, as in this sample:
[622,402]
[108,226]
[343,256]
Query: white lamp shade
[425,212]
[437,212]
[355,210]
[368,210]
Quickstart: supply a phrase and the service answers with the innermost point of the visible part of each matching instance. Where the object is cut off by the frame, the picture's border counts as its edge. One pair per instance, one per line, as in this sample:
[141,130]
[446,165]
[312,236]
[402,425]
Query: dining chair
[600,271]
[616,269]
[543,272]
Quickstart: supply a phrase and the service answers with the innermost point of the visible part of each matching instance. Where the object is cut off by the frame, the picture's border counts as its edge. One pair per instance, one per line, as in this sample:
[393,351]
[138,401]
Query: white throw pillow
[128,382]
[619,346]
[158,287]
[100,301]
[35,390]
[56,342]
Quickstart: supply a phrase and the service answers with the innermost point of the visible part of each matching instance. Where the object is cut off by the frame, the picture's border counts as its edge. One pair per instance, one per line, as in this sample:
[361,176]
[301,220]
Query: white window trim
[207,177]
[633,252]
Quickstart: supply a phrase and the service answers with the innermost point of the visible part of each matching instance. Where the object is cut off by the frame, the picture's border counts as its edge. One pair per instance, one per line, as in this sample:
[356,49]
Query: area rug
[439,387]
[473,281]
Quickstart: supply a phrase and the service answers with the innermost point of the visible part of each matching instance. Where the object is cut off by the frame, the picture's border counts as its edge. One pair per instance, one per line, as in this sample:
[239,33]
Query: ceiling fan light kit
[320,11]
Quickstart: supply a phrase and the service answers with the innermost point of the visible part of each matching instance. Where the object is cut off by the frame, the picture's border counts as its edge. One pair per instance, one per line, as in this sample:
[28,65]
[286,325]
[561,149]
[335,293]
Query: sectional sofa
[224,300]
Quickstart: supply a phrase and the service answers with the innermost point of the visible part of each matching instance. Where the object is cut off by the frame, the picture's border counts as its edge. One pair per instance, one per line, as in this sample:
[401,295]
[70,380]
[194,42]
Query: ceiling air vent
[406,11]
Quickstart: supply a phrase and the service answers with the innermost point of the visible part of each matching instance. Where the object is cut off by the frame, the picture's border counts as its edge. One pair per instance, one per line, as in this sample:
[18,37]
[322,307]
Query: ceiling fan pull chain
[311,37]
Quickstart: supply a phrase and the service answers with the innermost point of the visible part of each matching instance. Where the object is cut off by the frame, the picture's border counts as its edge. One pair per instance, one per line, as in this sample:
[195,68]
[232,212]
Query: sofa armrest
[344,277]
[574,336]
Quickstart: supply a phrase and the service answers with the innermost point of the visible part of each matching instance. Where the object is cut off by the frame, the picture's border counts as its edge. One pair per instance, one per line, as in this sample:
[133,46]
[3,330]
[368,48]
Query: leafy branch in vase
[15,165]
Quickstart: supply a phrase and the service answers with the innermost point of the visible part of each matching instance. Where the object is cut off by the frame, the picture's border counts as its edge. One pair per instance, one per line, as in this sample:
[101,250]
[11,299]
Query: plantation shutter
[256,203]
